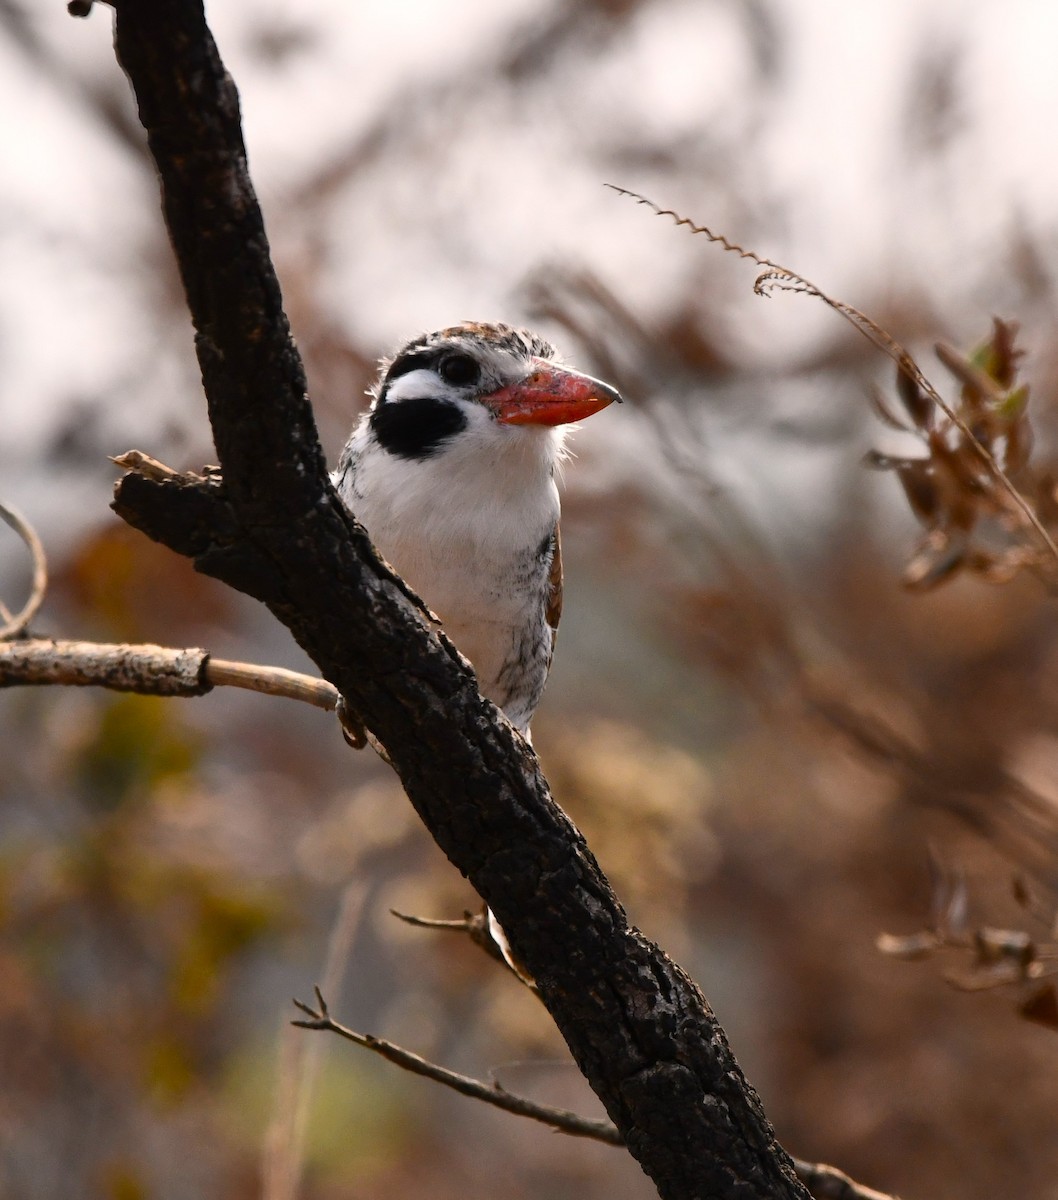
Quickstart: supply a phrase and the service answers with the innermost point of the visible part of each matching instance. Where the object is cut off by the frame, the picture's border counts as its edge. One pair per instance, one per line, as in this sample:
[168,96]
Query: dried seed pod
[1018,447]
[915,400]
[921,491]
[1001,353]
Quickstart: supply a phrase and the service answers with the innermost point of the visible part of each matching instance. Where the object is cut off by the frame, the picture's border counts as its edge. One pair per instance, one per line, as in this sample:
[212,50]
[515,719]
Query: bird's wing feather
[553,599]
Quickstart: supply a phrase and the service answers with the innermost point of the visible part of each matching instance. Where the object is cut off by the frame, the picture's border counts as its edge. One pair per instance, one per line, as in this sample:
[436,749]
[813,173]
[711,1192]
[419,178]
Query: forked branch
[319,1018]
[824,1182]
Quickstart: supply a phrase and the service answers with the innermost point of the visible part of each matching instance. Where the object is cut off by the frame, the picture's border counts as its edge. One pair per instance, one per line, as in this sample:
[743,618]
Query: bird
[451,471]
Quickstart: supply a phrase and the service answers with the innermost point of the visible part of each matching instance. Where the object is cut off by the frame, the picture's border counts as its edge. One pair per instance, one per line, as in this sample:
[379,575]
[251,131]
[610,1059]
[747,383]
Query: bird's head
[492,385]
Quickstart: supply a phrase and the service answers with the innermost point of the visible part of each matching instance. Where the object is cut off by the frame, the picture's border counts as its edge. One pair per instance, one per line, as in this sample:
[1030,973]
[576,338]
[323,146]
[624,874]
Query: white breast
[465,528]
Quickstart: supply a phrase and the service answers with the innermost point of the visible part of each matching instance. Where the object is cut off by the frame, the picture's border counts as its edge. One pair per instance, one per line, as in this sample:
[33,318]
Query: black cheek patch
[417,427]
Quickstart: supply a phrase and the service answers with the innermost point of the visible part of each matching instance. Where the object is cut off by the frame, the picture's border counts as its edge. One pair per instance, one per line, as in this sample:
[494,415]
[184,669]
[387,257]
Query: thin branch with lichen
[149,670]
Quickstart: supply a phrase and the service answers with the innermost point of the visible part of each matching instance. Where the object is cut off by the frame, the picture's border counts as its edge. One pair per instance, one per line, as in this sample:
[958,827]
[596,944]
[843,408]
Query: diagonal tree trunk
[639,1028]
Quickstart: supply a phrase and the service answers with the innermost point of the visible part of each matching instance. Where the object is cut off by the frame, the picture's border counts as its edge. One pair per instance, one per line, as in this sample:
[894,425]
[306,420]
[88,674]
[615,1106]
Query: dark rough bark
[639,1028]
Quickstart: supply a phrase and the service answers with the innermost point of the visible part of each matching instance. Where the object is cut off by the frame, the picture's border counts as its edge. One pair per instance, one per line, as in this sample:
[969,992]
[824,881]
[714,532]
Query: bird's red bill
[551,395]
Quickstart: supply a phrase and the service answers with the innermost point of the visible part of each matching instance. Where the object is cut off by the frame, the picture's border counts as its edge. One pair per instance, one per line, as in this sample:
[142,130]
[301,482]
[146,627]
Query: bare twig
[484,933]
[828,1183]
[558,1118]
[474,925]
[150,670]
[19,622]
[274,681]
[777,277]
[463,924]
[824,1182]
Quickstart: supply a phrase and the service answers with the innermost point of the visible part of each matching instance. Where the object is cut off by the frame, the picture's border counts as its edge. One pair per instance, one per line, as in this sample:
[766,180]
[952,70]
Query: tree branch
[638,1027]
[558,1118]
[824,1182]
[828,1183]
[150,670]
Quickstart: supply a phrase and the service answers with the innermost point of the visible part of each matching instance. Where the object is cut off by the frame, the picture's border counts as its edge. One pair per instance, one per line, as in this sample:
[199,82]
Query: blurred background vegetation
[760,729]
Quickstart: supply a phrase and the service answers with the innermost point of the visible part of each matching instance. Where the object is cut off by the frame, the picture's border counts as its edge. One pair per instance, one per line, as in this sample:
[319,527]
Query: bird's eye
[459,370]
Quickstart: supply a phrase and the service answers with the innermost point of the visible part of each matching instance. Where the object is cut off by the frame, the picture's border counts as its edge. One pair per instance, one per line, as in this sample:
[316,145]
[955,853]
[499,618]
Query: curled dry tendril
[775,277]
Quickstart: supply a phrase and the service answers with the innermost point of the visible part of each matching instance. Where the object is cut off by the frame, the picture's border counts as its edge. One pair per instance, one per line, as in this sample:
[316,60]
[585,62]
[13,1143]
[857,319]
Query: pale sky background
[815,158]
